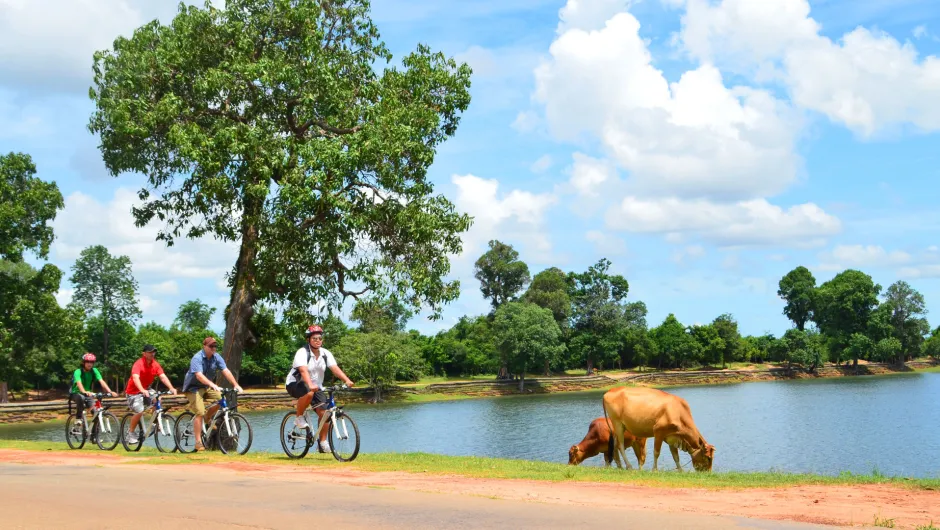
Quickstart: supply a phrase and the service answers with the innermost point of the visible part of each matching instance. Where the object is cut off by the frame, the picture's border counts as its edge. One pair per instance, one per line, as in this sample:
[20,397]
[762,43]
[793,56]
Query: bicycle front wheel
[75,432]
[236,436]
[126,432]
[344,438]
[164,434]
[294,440]
[106,431]
[184,434]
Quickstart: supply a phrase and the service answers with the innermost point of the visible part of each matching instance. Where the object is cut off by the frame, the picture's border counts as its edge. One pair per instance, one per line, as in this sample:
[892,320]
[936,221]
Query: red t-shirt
[147,375]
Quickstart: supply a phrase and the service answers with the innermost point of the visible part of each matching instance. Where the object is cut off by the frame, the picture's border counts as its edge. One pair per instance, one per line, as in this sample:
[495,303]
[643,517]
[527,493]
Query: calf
[598,439]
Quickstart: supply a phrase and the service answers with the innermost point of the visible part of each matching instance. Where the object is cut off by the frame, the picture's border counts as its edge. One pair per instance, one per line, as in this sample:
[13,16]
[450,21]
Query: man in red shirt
[145,370]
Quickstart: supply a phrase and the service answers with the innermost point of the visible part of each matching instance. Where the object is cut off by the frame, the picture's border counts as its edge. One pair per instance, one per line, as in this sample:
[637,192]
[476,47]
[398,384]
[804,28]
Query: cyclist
[198,385]
[82,381]
[144,371]
[305,379]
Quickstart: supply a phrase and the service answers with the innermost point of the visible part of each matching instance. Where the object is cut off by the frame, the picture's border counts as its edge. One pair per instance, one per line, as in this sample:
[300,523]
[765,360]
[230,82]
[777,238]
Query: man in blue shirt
[198,385]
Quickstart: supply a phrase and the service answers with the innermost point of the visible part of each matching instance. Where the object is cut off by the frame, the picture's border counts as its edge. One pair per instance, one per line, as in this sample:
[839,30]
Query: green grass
[504,469]
[928,526]
[883,522]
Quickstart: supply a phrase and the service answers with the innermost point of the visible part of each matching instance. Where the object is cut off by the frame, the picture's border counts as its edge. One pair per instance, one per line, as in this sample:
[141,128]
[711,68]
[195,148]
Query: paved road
[78,497]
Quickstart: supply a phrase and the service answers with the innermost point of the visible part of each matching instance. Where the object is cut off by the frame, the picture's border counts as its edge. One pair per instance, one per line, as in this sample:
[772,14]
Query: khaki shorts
[197,400]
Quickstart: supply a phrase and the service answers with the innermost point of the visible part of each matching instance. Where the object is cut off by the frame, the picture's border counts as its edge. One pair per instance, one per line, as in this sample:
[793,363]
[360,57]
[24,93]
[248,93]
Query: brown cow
[648,412]
[597,438]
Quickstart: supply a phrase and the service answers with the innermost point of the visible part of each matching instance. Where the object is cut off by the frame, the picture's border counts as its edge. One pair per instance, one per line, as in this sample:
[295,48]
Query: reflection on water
[891,424]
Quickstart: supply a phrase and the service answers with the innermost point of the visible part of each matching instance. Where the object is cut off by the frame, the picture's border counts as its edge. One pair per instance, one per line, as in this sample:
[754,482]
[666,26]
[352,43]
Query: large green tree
[379,359]
[501,274]
[381,314]
[28,205]
[105,287]
[598,313]
[193,315]
[843,308]
[907,309]
[273,124]
[797,289]
[527,335]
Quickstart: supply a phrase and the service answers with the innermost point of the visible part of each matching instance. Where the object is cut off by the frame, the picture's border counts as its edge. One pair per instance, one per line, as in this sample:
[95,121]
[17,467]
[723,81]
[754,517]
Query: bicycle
[292,436]
[103,425]
[162,426]
[225,421]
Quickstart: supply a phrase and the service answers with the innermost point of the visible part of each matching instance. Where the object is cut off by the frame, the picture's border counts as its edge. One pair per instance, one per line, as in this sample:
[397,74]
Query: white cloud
[526,121]
[48,45]
[589,175]
[148,304]
[606,244]
[517,216]
[754,222]
[691,252]
[542,164]
[920,271]
[85,221]
[867,81]
[920,32]
[167,287]
[691,138]
[588,15]
[860,256]
[64,296]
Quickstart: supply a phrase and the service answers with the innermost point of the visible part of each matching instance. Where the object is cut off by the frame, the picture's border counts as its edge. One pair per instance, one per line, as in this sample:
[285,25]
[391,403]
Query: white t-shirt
[317,365]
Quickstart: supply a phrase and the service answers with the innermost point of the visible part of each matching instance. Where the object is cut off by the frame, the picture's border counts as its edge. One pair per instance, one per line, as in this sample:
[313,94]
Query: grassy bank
[496,468]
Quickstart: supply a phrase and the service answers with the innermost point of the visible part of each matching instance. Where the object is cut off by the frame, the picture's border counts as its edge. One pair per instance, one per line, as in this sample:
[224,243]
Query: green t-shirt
[86,379]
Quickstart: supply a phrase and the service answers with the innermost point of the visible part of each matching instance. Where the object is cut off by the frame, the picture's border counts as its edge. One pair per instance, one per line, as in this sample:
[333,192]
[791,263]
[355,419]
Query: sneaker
[132,438]
[301,423]
[325,446]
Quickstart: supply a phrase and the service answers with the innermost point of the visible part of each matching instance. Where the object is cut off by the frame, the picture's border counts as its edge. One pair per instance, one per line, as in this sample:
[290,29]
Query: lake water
[858,424]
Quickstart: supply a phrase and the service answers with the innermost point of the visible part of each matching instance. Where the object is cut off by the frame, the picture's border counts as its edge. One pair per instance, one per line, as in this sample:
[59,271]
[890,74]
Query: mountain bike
[162,426]
[297,441]
[226,430]
[104,427]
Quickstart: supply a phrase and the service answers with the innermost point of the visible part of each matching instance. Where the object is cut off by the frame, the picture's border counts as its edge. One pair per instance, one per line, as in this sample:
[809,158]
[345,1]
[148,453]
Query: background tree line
[554,321]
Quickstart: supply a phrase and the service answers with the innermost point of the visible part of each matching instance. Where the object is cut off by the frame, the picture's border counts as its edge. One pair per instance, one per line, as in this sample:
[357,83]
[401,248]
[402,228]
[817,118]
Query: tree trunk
[522,378]
[244,295]
[3,392]
[590,366]
[378,392]
[547,368]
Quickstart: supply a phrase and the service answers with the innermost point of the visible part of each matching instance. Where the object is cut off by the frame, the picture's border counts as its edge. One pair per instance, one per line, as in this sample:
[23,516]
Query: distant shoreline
[274,398]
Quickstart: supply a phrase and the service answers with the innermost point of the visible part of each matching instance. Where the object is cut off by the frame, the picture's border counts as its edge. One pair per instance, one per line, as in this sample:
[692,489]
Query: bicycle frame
[97,409]
[223,411]
[157,414]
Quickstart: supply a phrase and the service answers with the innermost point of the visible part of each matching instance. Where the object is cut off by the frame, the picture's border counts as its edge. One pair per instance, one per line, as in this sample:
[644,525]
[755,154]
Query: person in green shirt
[83,379]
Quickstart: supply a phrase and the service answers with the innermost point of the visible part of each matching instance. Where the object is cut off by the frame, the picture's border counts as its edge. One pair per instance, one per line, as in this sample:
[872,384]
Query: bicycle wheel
[164,434]
[349,438]
[125,432]
[106,431]
[183,432]
[75,432]
[295,441]
[239,440]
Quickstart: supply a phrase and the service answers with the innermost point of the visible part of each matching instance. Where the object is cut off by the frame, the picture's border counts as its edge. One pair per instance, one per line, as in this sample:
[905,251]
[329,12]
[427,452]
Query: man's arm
[106,388]
[338,372]
[231,379]
[137,383]
[167,383]
[205,380]
[77,379]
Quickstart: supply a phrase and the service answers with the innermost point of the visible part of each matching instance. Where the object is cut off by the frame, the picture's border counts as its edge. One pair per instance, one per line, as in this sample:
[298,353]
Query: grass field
[503,468]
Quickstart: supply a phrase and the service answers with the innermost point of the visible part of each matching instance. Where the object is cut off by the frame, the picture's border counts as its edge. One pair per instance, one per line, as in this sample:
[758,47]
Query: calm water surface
[890,424]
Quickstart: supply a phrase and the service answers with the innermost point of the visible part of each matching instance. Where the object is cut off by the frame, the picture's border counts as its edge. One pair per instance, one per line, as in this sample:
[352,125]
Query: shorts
[196,399]
[81,402]
[298,389]
[137,402]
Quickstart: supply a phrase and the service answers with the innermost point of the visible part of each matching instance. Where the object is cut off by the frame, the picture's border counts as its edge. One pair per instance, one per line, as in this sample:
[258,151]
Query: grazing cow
[648,412]
[597,438]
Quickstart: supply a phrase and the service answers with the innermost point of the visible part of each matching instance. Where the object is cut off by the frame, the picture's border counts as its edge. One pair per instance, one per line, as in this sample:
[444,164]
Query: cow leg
[675,455]
[657,445]
[639,449]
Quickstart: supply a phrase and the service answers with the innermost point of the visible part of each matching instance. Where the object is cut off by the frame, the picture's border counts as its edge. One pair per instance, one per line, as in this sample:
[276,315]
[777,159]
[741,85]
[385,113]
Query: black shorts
[298,389]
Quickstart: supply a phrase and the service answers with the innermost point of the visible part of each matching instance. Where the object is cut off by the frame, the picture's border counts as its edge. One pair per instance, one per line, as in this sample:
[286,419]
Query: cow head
[575,455]
[704,456]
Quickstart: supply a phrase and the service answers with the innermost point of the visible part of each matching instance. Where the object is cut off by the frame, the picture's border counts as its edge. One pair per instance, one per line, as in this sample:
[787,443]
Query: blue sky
[705,148]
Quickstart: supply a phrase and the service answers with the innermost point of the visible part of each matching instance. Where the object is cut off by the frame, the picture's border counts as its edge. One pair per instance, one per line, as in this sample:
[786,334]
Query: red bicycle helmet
[89,357]
[313,329]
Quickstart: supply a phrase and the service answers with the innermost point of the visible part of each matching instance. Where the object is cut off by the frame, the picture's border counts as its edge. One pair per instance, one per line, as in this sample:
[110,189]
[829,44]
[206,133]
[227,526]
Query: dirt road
[57,489]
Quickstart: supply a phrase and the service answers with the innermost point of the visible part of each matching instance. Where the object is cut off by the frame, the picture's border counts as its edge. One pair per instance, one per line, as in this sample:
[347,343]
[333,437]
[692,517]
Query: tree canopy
[271,123]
